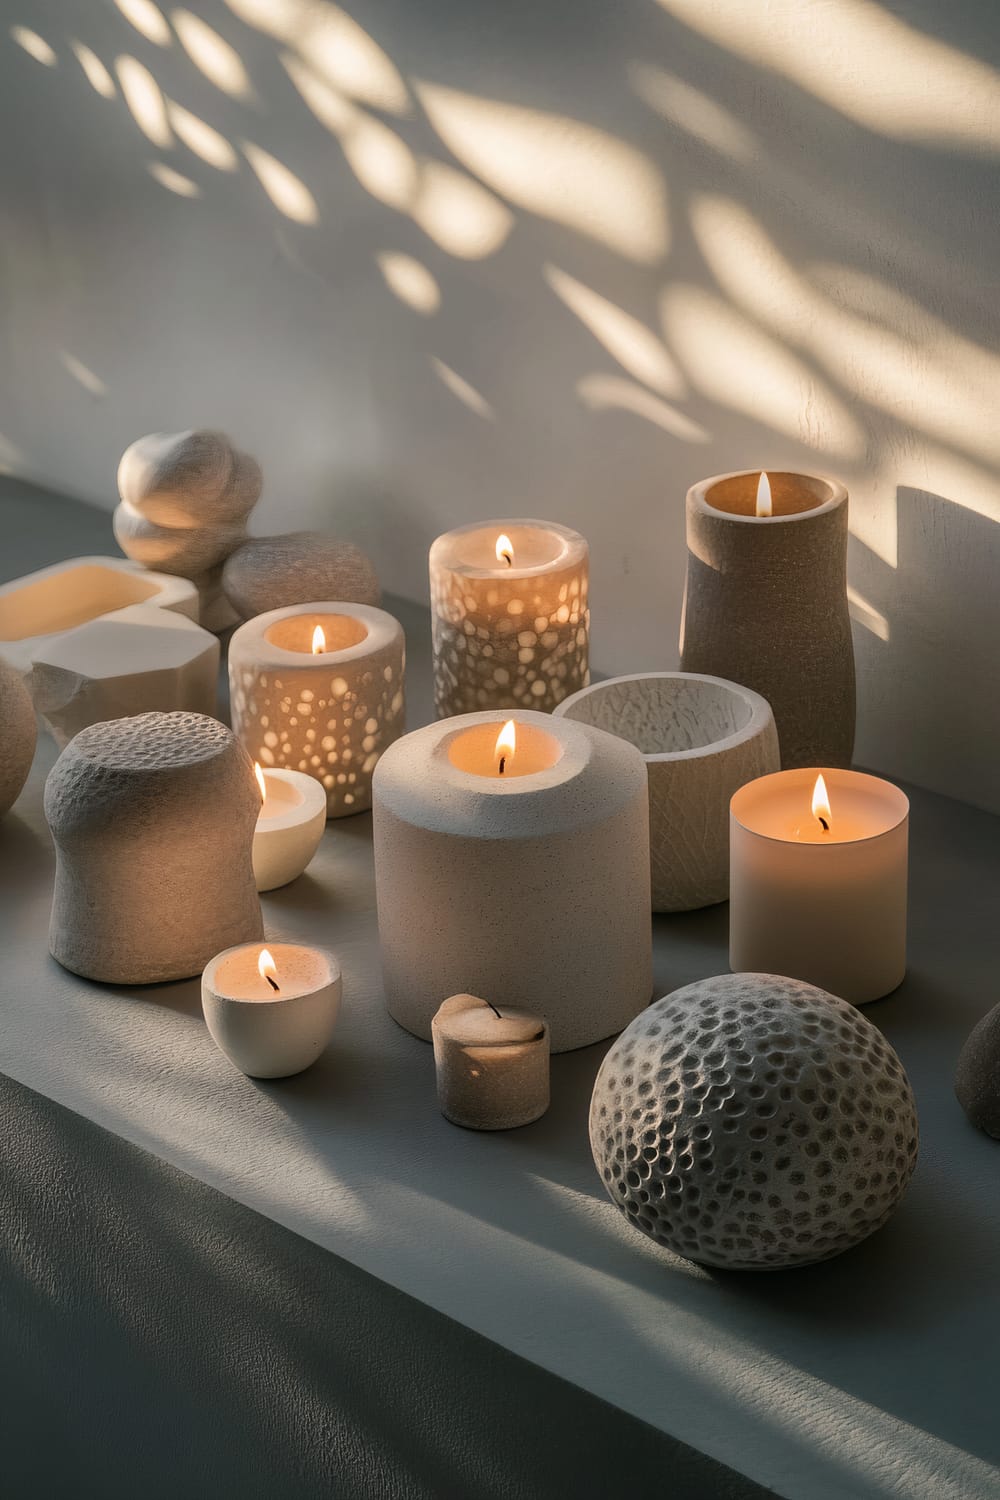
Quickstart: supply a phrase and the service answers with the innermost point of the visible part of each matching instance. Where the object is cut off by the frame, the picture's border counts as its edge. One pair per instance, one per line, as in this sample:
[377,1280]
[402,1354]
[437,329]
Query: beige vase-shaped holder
[701,738]
[153,820]
[327,712]
[766,605]
[531,888]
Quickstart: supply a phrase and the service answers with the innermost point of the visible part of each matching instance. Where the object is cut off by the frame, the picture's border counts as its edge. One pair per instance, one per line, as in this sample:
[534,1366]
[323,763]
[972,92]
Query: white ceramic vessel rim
[277,951]
[165,589]
[760,712]
[698,492]
[574,754]
[313,802]
[806,776]
[573,548]
[251,637]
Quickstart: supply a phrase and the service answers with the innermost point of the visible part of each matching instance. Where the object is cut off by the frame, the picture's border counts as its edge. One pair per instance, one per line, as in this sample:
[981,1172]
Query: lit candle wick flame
[821,804]
[505,549]
[267,968]
[260,780]
[505,746]
[763,506]
[318,641]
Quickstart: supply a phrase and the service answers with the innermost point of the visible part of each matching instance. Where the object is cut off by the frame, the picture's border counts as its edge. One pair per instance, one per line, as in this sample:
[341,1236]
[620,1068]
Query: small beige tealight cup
[271,1010]
[290,824]
[492,1066]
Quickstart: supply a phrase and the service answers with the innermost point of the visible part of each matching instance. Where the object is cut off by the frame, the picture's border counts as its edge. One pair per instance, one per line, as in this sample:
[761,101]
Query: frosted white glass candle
[826,904]
[271,1009]
[492,1065]
[509,616]
[289,826]
[318,688]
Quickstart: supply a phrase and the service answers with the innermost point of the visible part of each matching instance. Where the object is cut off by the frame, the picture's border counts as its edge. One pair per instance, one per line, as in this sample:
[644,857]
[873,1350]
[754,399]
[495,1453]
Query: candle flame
[821,804]
[267,968]
[260,780]
[763,506]
[505,549]
[506,745]
[319,641]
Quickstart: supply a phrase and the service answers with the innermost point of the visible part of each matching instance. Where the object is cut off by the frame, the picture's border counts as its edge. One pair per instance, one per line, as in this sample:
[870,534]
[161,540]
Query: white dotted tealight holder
[318,688]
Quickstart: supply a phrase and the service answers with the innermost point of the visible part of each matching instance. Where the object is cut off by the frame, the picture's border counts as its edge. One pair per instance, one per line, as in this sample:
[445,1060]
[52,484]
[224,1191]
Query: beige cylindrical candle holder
[290,825]
[515,866]
[492,1066]
[766,605]
[701,738]
[318,688]
[509,616]
[152,819]
[826,904]
[271,1027]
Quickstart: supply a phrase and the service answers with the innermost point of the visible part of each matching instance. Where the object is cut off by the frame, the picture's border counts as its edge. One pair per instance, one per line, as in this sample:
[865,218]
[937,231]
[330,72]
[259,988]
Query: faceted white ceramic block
[70,593]
[18,733]
[701,738]
[754,1122]
[134,661]
[267,1033]
[531,889]
[289,828]
[153,820]
[330,713]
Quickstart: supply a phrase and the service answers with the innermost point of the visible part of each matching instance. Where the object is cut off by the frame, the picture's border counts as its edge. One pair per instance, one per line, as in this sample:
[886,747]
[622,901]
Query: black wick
[273,983]
[493,1009]
[503,762]
[826,826]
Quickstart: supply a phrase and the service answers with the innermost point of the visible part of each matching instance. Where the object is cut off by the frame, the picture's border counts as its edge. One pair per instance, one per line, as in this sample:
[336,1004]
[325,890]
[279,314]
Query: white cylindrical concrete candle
[318,688]
[509,616]
[289,826]
[766,603]
[513,861]
[492,1066]
[271,1010]
[818,867]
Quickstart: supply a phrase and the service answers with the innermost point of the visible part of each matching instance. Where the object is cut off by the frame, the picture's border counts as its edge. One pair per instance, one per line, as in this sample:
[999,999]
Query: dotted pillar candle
[319,688]
[510,617]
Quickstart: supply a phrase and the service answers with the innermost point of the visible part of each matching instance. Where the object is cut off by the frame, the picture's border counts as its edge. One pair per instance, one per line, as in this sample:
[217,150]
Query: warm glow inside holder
[510,620]
[318,688]
[530,889]
[827,905]
[289,826]
[271,1027]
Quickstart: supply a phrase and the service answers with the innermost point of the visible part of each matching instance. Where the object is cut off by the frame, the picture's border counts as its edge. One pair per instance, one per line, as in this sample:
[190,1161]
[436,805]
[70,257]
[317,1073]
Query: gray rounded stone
[18,733]
[183,479]
[754,1122]
[977,1077]
[271,572]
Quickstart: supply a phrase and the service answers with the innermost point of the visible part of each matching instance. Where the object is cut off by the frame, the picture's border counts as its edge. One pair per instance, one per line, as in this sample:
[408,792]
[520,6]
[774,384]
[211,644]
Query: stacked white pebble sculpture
[153,820]
[185,499]
[753,1122]
[18,733]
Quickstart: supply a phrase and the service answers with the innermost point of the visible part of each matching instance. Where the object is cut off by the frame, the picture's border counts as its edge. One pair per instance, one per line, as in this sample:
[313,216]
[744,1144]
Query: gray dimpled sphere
[754,1122]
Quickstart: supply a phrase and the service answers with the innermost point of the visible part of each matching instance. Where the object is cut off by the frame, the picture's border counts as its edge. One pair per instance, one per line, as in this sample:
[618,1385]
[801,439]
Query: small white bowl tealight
[289,827]
[271,1010]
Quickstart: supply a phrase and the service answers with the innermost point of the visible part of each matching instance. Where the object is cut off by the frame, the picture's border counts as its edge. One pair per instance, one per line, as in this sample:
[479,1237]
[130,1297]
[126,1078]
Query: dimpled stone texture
[753,1122]
[18,733]
[977,1077]
[272,572]
[153,819]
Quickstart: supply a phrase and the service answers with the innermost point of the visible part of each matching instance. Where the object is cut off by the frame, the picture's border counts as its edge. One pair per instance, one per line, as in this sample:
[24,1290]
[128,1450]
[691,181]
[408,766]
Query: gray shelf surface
[871,1375]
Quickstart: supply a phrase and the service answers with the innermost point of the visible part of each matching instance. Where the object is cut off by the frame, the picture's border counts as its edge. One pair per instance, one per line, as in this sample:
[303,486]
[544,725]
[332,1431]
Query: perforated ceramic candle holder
[329,712]
[152,819]
[509,616]
[701,739]
[766,605]
[520,874]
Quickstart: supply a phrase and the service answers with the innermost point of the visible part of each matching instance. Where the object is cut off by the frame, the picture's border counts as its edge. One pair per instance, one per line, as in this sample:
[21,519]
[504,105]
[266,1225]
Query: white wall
[668,239]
